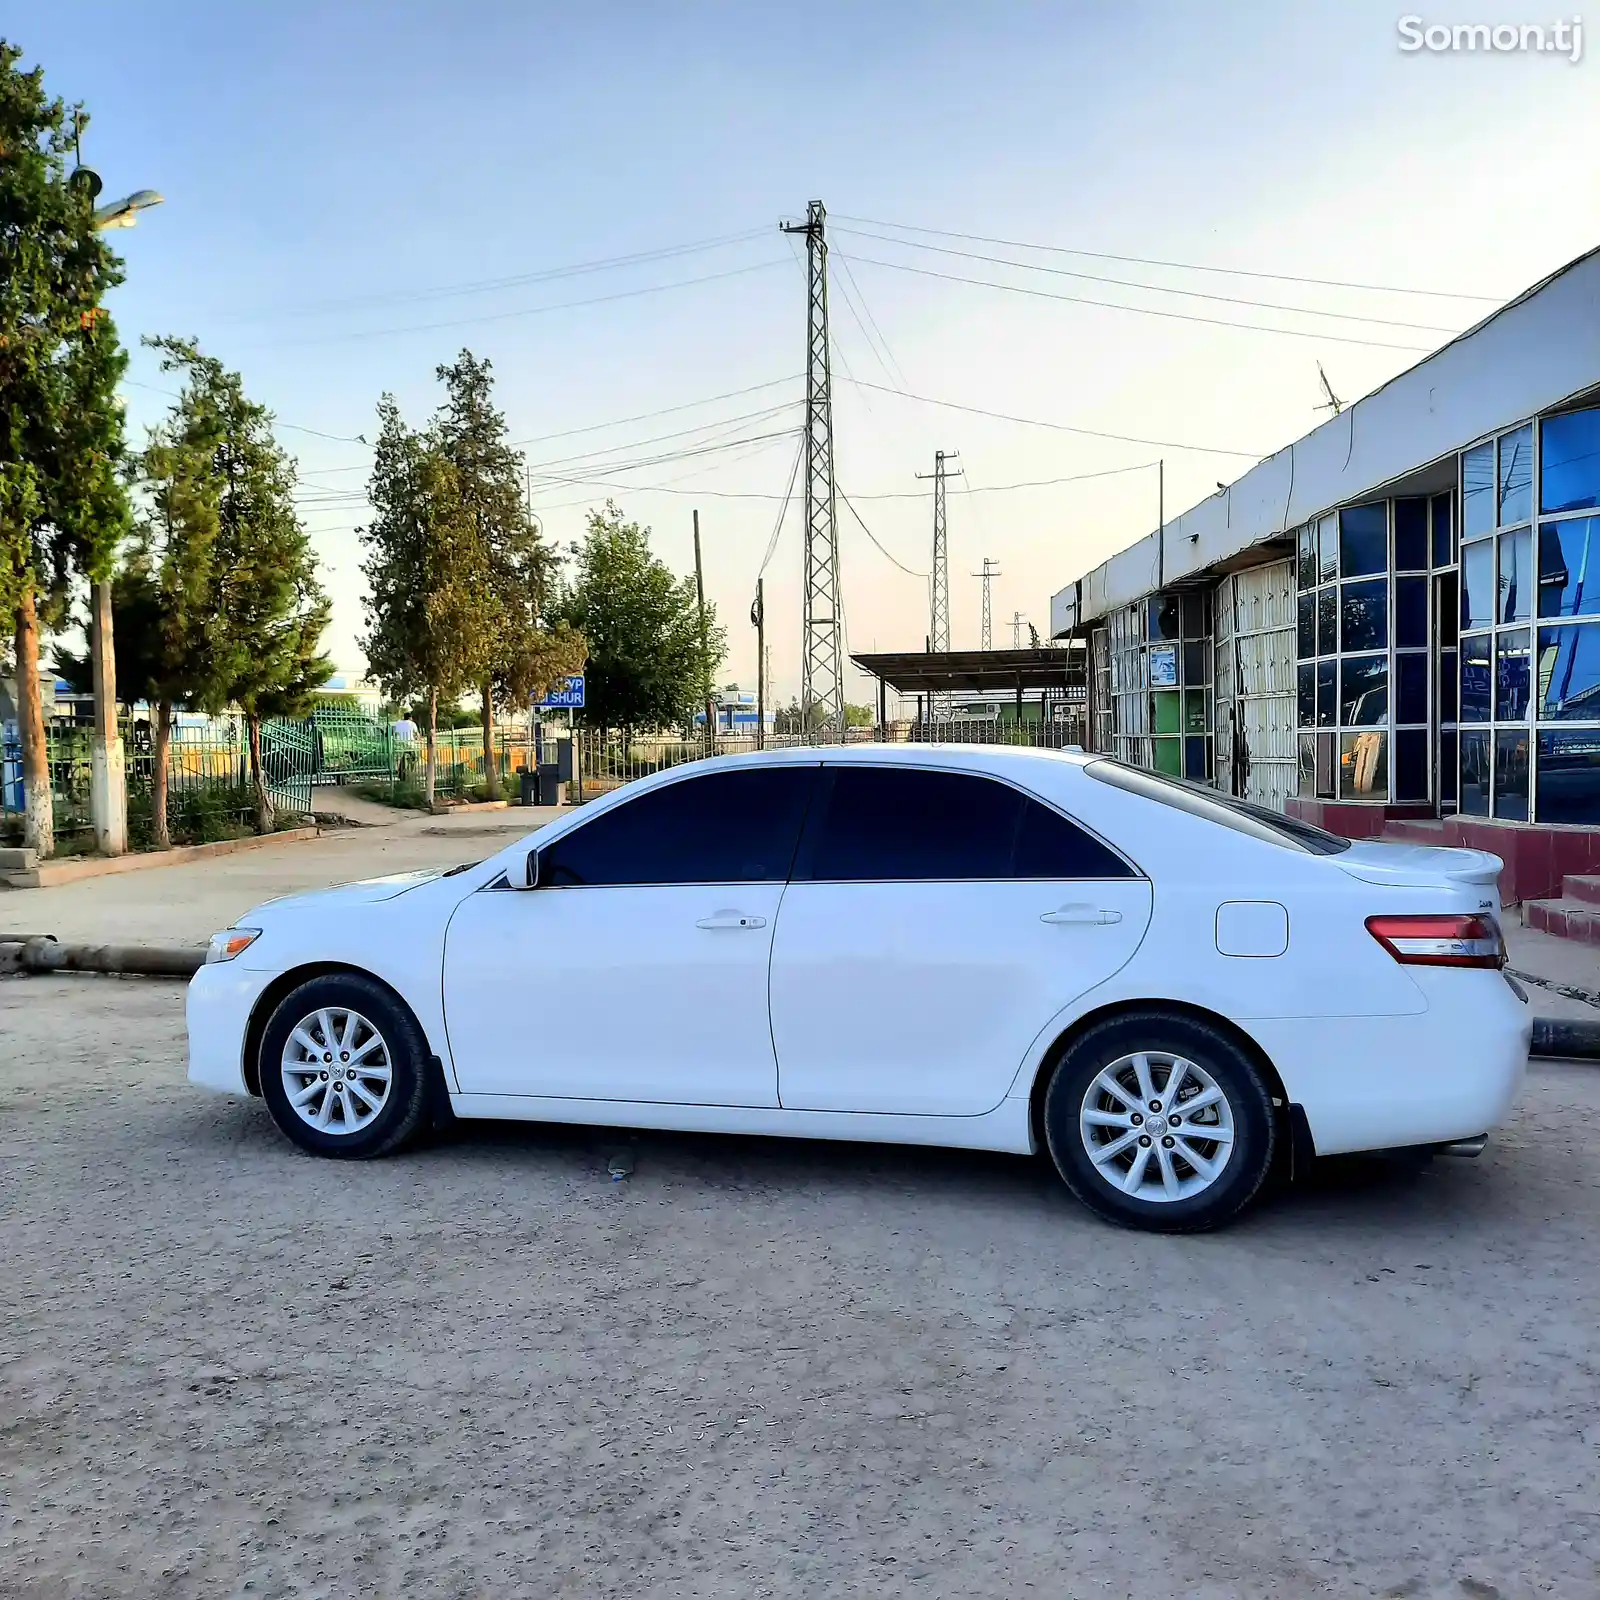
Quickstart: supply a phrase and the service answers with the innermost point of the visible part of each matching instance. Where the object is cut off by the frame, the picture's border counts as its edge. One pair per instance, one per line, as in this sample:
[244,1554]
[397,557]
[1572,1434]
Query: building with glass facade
[1397,618]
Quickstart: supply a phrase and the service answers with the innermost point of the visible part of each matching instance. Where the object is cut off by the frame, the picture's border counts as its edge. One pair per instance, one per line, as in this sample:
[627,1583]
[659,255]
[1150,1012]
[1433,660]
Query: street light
[124,213]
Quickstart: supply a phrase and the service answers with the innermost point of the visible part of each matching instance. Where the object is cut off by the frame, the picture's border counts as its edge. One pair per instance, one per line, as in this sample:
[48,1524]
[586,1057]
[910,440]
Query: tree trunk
[39,830]
[433,726]
[491,767]
[258,777]
[158,776]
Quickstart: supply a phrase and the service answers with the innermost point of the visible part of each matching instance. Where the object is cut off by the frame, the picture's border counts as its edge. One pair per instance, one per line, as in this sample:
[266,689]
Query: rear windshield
[1243,816]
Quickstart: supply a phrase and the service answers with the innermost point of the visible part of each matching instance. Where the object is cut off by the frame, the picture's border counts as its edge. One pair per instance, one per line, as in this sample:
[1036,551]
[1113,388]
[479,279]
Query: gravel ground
[760,1368]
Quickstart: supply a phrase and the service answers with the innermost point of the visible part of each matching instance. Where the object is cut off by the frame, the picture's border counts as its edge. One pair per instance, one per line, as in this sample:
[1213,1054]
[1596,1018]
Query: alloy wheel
[337,1070]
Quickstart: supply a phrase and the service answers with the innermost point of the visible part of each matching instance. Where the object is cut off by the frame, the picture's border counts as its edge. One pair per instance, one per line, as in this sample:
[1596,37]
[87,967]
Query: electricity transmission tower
[939,617]
[991,569]
[821,657]
[1016,630]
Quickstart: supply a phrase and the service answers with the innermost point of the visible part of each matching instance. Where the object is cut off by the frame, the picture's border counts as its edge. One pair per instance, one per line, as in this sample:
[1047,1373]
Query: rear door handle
[1081,915]
[731,919]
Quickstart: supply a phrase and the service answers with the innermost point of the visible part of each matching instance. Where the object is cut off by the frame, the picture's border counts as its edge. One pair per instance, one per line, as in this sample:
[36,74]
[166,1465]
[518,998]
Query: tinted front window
[1569,468]
[899,824]
[718,827]
[1569,568]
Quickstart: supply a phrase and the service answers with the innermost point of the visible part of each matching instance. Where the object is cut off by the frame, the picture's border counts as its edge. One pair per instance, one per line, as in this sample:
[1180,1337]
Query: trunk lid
[1422,866]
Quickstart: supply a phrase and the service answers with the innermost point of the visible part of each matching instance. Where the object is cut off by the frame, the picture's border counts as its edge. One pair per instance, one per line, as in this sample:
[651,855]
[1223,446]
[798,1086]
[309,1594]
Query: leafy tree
[431,633]
[646,668]
[521,656]
[62,505]
[792,719]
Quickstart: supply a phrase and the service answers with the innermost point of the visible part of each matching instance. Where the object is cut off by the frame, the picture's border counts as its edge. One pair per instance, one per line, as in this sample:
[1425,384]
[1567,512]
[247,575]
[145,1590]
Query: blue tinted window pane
[1448,774]
[1448,684]
[1511,774]
[1306,565]
[1516,475]
[1411,764]
[1326,764]
[1443,545]
[1475,773]
[1165,616]
[1364,766]
[1306,627]
[1364,698]
[1477,586]
[1475,678]
[1516,575]
[1569,673]
[1569,775]
[1327,692]
[1477,491]
[1363,540]
[1327,621]
[1307,751]
[1411,686]
[1569,466]
[1306,694]
[1410,535]
[1364,615]
[1447,608]
[1197,760]
[1569,568]
[1511,676]
[1411,613]
[1327,549]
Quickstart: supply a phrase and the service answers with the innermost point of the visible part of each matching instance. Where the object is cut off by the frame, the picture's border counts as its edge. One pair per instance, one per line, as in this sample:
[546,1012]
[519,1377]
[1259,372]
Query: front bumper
[220,1000]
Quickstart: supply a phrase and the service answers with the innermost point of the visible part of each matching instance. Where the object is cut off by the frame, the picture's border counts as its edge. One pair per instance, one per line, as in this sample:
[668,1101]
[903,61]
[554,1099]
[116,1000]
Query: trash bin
[530,787]
[549,783]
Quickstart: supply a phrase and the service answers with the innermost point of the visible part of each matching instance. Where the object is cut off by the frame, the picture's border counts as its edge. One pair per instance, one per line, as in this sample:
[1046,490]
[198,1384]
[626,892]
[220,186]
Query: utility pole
[821,655]
[705,651]
[1016,630]
[1161,524]
[991,569]
[939,610]
[758,620]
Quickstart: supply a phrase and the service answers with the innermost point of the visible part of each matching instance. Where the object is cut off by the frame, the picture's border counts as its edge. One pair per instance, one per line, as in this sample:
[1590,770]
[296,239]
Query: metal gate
[290,756]
[1255,665]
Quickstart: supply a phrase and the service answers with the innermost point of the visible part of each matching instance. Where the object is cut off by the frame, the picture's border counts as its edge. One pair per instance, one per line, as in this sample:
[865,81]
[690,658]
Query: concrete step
[1416,830]
[1582,887]
[1566,919]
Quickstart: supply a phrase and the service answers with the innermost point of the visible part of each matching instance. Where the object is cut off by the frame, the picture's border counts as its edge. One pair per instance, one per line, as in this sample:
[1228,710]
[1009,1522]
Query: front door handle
[731,919]
[1093,915]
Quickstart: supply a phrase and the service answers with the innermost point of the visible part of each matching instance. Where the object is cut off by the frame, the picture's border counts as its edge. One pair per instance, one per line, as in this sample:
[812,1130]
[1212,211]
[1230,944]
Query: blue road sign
[569,698]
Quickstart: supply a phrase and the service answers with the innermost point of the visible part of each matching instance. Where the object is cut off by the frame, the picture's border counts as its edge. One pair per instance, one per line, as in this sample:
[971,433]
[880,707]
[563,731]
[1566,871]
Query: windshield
[1243,816]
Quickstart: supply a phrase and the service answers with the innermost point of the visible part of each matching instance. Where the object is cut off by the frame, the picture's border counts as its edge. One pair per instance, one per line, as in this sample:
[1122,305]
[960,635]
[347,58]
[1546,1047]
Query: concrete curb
[51,874]
[41,954]
[444,809]
[1556,1039]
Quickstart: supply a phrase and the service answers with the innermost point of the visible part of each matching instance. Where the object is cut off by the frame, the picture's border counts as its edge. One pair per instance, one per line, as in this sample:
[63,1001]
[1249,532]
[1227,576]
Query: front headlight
[229,943]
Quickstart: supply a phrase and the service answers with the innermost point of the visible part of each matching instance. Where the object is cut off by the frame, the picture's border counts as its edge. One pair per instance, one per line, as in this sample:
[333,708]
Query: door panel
[614,993]
[924,998]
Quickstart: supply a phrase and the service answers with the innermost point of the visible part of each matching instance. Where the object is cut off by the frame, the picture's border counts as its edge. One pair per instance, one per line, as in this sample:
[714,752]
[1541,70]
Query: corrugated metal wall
[1254,674]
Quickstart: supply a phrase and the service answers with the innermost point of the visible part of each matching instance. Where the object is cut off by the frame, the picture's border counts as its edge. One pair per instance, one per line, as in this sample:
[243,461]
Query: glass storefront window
[1411,613]
[1411,764]
[1327,693]
[1444,550]
[1511,774]
[1516,475]
[1477,585]
[1477,491]
[1306,694]
[1327,621]
[1306,752]
[1364,615]
[1165,616]
[1197,760]
[1306,626]
[1511,676]
[1569,462]
[1474,800]
[1194,711]
[1516,577]
[1569,775]
[1364,766]
[1569,586]
[1306,563]
[1411,686]
[1448,686]
[1569,673]
[1327,549]
[1167,756]
[1411,535]
[1364,696]
[1363,540]
[1475,677]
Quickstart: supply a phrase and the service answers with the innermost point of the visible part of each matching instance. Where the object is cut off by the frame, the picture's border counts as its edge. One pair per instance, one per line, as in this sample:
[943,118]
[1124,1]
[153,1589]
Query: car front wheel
[343,1068]
[1160,1122]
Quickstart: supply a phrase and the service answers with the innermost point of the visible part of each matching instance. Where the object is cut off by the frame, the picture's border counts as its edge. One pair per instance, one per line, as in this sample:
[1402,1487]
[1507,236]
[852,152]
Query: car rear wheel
[1160,1122]
[343,1068]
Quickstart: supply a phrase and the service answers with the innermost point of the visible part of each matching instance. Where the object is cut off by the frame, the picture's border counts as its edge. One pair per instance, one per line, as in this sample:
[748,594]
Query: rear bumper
[217,1010]
[1379,1083]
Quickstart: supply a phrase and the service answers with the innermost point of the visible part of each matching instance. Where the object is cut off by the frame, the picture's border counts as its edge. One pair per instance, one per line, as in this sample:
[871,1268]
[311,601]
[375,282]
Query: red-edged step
[1584,888]
[1565,918]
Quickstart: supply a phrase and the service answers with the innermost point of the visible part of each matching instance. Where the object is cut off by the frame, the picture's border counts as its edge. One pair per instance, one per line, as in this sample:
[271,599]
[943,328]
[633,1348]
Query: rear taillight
[1440,941]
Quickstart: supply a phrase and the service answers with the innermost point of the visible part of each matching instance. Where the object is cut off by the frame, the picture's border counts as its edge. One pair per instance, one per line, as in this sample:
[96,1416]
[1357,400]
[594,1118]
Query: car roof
[967,756]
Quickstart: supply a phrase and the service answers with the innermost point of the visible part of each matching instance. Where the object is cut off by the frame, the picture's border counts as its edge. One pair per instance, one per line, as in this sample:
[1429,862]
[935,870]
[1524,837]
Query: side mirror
[530,874]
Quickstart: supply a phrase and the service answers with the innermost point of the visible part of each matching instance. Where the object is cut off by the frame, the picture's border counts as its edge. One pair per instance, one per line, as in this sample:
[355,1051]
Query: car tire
[1107,1128]
[344,1068]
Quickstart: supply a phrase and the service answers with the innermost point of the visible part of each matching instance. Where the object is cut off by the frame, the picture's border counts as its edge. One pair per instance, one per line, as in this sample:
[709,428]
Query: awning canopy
[978,671]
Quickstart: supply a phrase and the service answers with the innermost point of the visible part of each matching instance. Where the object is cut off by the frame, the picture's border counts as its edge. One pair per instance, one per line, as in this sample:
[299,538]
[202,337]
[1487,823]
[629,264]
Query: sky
[589,195]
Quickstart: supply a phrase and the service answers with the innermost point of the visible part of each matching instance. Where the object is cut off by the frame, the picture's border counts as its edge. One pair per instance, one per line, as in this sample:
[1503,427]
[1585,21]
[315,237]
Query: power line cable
[670,456]
[1140,311]
[777,527]
[910,572]
[1150,288]
[898,375]
[677,433]
[1181,266]
[277,421]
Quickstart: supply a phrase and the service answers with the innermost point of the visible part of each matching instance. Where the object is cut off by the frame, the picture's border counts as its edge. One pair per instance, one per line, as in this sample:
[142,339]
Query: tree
[428,574]
[62,506]
[646,668]
[522,657]
[792,719]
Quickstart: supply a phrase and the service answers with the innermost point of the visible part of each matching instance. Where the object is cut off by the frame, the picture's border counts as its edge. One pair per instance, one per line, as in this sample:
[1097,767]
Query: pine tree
[62,507]
[431,624]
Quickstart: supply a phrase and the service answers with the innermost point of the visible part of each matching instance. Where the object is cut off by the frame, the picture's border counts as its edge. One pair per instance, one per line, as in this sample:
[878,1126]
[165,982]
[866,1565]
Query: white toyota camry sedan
[1170,991]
